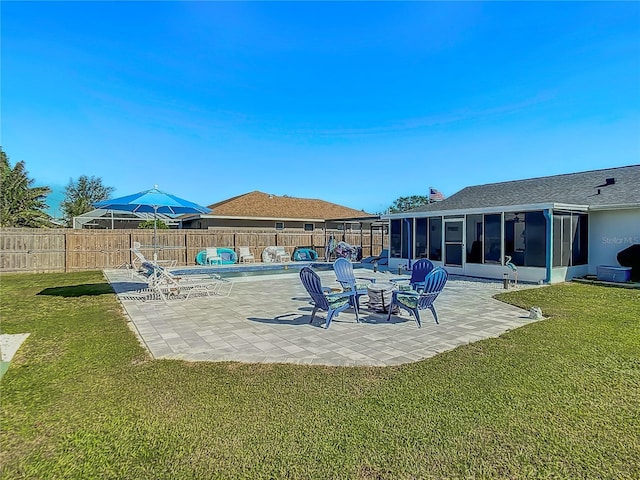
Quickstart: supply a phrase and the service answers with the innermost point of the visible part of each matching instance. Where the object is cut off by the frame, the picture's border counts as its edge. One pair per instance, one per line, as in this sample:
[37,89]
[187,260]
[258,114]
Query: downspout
[408,243]
[549,256]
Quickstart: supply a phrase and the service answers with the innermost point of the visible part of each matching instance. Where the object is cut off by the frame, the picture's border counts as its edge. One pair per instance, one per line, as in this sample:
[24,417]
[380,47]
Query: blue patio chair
[419,272]
[413,301]
[345,276]
[332,303]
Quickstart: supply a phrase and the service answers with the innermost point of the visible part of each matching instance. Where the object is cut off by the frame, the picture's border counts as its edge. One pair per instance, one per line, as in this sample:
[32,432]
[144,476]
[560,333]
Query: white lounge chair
[139,258]
[245,255]
[164,285]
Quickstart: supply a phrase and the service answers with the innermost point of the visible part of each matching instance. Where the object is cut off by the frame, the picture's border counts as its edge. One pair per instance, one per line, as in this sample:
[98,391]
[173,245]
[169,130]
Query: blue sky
[354,103]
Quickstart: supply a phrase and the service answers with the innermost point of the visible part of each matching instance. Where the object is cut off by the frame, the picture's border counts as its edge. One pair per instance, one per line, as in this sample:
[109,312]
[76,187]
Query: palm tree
[20,204]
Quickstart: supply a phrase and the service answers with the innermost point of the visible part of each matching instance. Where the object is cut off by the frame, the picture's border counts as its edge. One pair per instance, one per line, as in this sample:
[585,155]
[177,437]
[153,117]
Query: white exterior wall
[610,232]
[525,274]
[562,274]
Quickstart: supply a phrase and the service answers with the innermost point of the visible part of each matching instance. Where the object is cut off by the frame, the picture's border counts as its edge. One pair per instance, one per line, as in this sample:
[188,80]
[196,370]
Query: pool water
[251,270]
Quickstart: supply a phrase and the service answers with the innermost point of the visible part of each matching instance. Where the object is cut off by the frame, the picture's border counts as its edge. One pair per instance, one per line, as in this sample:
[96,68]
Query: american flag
[435,195]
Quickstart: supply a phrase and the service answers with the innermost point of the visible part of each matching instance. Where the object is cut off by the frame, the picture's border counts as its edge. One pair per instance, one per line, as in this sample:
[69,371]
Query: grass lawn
[558,398]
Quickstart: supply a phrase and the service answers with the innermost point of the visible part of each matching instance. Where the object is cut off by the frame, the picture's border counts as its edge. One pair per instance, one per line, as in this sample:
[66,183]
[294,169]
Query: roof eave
[480,210]
[236,217]
[619,206]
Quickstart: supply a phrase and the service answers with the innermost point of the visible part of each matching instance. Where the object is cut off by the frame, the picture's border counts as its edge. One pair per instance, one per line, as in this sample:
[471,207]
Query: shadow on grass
[88,289]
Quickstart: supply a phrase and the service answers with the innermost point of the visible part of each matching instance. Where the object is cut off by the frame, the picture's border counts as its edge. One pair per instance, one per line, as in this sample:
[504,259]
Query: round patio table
[380,295]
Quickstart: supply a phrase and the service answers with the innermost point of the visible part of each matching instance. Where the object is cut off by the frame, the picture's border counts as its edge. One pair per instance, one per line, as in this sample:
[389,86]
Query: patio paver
[266,320]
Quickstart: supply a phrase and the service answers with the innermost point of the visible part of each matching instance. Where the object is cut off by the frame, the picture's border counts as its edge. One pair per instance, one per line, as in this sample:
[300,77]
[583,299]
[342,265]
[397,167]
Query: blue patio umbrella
[152,201]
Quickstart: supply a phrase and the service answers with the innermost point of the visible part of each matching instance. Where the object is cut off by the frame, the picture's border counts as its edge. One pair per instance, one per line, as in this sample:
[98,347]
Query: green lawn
[558,398]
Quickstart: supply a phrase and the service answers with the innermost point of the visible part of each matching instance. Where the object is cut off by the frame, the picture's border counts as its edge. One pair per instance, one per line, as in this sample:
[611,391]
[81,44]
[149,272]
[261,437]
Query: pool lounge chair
[163,284]
[382,259]
[138,258]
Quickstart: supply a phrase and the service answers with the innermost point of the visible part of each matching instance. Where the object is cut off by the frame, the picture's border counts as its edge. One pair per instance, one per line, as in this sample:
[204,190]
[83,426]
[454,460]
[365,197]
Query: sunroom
[541,243]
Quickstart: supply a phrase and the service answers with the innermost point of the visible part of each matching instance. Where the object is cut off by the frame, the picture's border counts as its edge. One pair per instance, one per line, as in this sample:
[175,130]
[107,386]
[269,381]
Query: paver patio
[266,320]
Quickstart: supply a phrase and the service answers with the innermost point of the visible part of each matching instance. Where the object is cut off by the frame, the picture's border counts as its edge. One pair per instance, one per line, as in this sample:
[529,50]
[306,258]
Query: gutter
[276,219]
[549,253]
[619,206]
[472,211]
[408,243]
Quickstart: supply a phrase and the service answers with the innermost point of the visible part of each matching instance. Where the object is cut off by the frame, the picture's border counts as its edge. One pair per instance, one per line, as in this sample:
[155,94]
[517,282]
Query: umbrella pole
[155,233]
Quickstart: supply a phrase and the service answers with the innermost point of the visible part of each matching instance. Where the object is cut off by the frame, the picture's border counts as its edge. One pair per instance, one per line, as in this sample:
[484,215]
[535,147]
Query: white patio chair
[213,256]
[282,255]
[245,255]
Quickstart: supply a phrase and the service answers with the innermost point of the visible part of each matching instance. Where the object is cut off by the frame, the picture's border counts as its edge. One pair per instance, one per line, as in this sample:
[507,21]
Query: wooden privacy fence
[68,250]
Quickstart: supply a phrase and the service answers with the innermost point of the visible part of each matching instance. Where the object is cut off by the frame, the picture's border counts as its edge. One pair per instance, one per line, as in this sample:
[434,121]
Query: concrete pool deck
[266,320]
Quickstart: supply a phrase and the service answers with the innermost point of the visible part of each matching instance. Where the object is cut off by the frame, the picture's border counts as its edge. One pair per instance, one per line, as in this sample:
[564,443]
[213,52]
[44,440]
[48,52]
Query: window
[580,250]
[421,238]
[570,239]
[474,238]
[395,239]
[406,231]
[279,225]
[435,238]
[525,238]
[492,238]
[309,227]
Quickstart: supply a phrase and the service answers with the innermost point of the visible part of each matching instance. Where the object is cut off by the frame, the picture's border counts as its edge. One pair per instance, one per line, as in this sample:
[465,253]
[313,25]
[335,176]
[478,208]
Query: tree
[402,204]
[81,195]
[149,224]
[20,204]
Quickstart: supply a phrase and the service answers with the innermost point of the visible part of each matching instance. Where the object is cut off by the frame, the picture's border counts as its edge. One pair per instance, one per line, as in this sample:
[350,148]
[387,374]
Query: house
[262,210]
[552,228]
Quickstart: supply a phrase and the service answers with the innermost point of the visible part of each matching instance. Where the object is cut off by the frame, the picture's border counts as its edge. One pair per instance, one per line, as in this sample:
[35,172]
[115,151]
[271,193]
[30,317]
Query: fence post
[66,252]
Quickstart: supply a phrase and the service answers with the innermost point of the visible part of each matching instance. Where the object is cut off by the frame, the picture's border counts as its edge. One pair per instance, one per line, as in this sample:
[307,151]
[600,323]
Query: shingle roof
[259,204]
[572,188]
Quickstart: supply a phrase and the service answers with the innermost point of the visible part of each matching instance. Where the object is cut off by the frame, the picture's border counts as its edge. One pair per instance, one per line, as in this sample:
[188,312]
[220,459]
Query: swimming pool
[251,270]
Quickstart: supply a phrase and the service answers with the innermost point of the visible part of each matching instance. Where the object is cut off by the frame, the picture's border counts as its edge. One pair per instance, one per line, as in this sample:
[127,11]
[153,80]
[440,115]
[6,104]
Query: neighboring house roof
[263,205]
[583,188]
